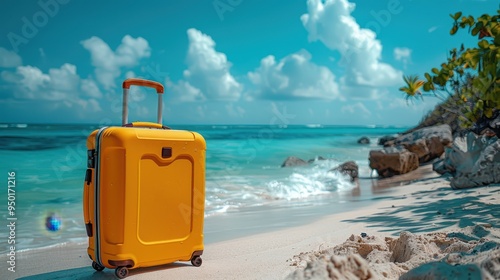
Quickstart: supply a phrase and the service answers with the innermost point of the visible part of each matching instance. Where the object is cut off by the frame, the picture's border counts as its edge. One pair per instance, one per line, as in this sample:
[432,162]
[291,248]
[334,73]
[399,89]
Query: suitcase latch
[166,152]
[88,176]
[91,158]
[88,228]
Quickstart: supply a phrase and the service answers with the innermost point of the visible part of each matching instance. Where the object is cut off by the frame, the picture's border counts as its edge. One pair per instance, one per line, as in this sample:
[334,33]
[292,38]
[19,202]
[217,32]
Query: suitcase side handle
[146,124]
[141,82]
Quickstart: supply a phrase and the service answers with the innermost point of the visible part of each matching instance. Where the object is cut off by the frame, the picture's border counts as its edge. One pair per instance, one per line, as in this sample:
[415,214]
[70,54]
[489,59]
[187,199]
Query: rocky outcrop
[472,160]
[393,161]
[364,140]
[427,143]
[349,168]
[293,161]
[488,126]
[385,139]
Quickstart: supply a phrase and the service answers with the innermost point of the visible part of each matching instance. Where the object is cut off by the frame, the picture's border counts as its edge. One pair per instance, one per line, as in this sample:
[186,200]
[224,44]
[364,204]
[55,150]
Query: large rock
[427,143]
[293,161]
[393,161]
[385,139]
[364,140]
[443,132]
[476,164]
[487,125]
[347,168]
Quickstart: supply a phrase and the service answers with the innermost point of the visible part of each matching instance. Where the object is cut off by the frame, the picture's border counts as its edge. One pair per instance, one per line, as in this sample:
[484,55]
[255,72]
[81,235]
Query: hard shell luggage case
[144,193]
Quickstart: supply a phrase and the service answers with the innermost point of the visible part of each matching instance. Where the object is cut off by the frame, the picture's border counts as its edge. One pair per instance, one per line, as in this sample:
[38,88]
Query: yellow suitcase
[144,193]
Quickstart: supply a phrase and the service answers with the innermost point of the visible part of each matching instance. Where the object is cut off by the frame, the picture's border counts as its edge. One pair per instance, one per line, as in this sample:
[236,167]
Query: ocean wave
[36,143]
[314,125]
[231,192]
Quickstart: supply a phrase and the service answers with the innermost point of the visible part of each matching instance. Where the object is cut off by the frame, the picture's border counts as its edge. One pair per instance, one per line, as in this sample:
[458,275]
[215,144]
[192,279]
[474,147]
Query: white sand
[421,207]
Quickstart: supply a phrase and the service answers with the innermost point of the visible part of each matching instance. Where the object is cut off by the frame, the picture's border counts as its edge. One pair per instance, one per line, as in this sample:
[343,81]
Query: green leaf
[457,15]
[435,71]
[497,40]
[488,112]
[470,20]
[428,77]
[479,106]
[427,86]
[475,30]
[454,30]
[483,44]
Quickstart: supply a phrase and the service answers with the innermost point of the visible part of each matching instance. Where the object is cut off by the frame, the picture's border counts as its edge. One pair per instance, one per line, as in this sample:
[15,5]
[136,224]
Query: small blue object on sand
[53,223]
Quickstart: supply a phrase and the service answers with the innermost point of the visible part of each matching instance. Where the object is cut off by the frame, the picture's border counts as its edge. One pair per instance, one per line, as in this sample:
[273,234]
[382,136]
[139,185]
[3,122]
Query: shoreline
[268,255]
[304,210]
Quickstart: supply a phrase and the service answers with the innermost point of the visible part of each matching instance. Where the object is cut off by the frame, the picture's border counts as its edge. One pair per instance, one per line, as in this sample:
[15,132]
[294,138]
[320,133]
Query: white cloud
[42,52]
[90,105]
[294,76]
[64,80]
[62,86]
[358,108]
[207,75]
[331,22]
[108,63]
[234,111]
[432,29]
[201,111]
[185,92]
[9,59]
[130,74]
[403,55]
[90,88]
[29,77]
[362,92]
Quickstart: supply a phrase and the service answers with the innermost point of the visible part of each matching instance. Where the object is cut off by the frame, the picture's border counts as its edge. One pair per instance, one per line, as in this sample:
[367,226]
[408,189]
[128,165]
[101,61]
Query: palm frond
[412,88]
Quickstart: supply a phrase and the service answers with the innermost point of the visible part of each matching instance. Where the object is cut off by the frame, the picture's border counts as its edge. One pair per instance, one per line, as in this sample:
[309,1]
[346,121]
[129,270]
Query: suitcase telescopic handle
[146,124]
[145,83]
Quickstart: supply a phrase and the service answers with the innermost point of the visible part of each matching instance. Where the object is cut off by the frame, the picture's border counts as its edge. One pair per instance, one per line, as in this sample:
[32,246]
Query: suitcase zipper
[96,196]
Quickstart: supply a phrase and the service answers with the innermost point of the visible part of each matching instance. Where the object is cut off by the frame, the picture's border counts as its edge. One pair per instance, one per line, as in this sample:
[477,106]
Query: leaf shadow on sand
[432,211]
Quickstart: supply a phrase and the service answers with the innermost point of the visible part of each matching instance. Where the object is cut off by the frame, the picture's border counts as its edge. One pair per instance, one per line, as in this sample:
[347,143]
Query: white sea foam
[314,125]
[230,193]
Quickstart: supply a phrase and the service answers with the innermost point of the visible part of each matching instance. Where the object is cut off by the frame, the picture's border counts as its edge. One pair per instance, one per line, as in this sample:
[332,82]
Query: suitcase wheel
[196,261]
[97,266]
[121,272]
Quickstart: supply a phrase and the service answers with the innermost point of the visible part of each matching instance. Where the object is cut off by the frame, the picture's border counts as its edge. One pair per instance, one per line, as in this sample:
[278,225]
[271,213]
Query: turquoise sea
[246,189]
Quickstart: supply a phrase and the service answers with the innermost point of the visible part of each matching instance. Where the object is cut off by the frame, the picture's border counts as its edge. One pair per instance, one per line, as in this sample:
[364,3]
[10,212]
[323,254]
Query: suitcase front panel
[170,186]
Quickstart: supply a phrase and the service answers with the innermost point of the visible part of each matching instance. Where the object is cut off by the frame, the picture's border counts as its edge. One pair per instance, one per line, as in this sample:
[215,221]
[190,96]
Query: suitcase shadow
[74,273]
[88,272]
[164,267]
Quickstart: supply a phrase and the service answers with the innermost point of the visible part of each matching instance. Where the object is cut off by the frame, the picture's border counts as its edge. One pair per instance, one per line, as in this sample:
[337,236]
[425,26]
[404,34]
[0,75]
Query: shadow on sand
[439,213]
[83,273]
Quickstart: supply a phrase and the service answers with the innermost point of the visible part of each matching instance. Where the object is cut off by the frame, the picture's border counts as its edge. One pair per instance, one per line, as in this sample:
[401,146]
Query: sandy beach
[422,203]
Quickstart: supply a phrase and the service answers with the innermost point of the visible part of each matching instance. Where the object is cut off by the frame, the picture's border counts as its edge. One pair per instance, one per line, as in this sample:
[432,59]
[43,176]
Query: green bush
[470,77]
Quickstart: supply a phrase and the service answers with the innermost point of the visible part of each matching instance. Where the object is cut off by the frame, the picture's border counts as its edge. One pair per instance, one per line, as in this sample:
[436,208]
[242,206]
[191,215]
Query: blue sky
[325,62]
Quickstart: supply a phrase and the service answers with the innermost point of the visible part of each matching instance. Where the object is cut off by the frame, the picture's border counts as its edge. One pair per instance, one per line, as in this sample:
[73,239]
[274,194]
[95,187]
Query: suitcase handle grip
[146,124]
[141,82]
[145,83]
[86,216]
